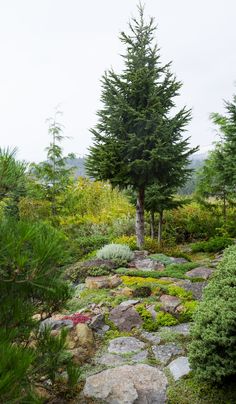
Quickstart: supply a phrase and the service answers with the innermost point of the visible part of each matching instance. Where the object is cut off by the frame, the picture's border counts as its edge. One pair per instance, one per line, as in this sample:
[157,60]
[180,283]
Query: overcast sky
[55,52]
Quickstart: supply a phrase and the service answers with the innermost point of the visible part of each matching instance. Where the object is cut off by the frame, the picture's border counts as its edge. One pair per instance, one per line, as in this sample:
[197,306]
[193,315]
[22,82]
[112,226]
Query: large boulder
[146,264]
[125,318]
[139,384]
[200,272]
[99,282]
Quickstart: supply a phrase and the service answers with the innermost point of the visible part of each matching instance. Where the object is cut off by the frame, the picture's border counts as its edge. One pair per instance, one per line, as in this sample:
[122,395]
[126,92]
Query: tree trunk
[140,218]
[152,224]
[160,227]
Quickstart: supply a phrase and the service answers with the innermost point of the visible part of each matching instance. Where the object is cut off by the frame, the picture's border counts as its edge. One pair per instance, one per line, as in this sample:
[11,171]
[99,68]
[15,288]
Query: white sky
[55,52]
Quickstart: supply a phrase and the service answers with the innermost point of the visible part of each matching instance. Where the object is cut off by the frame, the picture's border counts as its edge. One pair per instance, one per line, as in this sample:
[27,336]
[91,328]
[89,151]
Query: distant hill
[79,164]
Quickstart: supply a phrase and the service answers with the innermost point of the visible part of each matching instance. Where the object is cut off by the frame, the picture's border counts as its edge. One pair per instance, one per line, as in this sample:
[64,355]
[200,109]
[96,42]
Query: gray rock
[125,318]
[125,345]
[147,264]
[140,357]
[178,260]
[182,329]
[195,287]
[55,324]
[152,310]
[98,325]
[200,272]
[128,303]
[109,359]
[139,384]
[140,254]
[179,367]
[164,353]
[152,337]
[169,303]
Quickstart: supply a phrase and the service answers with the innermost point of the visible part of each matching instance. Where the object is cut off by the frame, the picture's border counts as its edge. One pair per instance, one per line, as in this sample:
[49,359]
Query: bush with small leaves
[212,353]
[115,251]
[214,244]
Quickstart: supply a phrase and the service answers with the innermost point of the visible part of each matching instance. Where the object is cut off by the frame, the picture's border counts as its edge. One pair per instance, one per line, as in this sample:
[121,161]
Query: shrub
[162,258]
[90,243]
[115,251]
[165,319]
[212,352]
[215,244]
[130,241]
[188,310]
[179,292]
[151,245]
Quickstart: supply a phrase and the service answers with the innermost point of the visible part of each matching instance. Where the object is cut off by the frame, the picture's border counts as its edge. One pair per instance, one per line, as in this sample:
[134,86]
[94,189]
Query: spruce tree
[138,139]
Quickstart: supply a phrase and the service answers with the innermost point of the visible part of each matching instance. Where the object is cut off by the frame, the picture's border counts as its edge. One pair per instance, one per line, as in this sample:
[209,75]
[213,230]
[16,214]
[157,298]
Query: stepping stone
[140,357]
[164,353]
[200,272]
[182,329]
[179,367]
[125,318]
[125,345]
[152,337]
[109,359]
[139,384]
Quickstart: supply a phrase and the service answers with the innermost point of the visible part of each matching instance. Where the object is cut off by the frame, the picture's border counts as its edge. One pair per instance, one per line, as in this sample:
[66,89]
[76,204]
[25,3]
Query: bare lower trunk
[152,224]
[140,218]
[160,227]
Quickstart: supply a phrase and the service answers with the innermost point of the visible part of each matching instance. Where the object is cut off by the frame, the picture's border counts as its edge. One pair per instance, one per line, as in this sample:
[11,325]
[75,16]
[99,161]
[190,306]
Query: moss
[144,313]
[112,334]
[165,319]
[188,390]
[179,292]
[189,308]
[172,270]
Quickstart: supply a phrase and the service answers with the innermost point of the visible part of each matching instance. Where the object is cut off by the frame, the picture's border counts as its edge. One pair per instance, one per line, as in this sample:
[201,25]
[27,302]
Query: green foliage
[130,241]
[189,390]
[115,251]
[212,351]
[179,292]
[188,310]
[51,354]
[172,270]
[162,319]
[161,258]
[215,244]
[165,319]
[190,222]
[53,175]
[14,366]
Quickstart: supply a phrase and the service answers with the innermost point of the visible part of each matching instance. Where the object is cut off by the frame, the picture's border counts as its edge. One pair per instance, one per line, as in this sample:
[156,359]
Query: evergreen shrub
[214,244]
[212,352]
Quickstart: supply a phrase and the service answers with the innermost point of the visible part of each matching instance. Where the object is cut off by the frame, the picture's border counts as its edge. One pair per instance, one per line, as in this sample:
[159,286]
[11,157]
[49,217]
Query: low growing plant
[115,251]
[214,244]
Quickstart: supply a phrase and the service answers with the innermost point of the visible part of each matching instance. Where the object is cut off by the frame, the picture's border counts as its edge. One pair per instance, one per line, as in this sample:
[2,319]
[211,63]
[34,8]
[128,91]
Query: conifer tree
[138,139]
[53,174]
